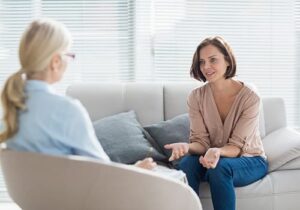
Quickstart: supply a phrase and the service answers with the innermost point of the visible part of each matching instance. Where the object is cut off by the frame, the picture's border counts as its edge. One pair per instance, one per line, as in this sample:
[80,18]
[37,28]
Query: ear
[55,62]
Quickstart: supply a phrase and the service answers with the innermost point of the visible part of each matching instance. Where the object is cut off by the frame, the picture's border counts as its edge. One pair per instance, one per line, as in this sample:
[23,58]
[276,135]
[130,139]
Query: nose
[206,65]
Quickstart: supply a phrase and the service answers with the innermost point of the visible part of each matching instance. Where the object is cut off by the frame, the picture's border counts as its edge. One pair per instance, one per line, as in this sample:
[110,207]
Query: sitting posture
[36,118]
[225,147]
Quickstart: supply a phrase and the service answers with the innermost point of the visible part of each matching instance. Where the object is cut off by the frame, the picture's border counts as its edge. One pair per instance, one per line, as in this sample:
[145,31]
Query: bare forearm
[230,151]
[196,149]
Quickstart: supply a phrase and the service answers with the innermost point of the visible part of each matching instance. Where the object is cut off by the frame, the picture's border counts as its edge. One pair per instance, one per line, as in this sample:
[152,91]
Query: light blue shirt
[54,124]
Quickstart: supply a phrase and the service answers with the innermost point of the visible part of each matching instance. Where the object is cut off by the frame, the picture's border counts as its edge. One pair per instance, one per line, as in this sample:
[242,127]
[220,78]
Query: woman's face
[212,63]
[62,64]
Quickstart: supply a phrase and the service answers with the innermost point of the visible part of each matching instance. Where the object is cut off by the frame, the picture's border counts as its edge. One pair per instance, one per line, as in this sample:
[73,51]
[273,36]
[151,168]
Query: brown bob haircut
[224,48]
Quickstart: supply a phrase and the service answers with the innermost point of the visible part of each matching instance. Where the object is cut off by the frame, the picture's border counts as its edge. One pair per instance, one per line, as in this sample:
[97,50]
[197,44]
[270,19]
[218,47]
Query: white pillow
[291,165]
[281,146]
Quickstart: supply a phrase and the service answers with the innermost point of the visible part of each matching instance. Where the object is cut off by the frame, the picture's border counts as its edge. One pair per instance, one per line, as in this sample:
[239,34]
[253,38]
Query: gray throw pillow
[170,131]
[122,138]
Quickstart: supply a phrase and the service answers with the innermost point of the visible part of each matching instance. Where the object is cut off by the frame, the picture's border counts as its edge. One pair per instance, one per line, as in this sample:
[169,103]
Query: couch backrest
[274,113]
[105,99]
[154,102]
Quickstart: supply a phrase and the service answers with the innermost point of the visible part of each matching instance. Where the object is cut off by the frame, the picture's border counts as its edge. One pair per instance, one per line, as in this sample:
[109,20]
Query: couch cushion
[286,189]
[170,131]
[123,139]
[146,99]
[106,99]
[281,146]
[291,165]
[286,181]
[274,114]
[259,188]
[254,196]
[175,97]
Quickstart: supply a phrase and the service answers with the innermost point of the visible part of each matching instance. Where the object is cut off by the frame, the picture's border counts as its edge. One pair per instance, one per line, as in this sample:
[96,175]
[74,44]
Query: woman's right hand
[178,150]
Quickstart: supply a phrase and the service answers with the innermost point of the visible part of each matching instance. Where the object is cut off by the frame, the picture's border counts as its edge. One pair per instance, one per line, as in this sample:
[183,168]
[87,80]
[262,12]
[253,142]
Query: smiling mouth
[209,74]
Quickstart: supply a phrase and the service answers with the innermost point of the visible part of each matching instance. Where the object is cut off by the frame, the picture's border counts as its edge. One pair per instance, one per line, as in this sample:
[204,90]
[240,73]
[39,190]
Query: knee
[189,163]
[222,170]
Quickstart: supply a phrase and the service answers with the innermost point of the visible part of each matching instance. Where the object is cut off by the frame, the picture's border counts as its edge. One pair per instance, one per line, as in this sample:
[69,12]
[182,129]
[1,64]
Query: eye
[201,62]
[213,60]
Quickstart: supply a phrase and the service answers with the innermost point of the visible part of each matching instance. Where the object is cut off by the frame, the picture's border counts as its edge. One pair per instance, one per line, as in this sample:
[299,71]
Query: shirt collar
[32,85]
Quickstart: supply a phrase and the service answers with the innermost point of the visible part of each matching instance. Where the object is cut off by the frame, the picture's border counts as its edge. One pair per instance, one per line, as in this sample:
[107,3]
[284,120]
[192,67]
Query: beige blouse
[241,125]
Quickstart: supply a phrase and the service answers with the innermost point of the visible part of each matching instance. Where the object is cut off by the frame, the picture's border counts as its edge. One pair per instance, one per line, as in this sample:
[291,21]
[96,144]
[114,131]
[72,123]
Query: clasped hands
[209,160]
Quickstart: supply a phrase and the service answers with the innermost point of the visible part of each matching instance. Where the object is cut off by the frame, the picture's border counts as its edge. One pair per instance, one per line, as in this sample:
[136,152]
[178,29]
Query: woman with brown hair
[225,147]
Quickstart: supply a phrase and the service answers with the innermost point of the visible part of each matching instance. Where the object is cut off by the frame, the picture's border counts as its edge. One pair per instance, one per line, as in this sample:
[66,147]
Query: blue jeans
[229,173]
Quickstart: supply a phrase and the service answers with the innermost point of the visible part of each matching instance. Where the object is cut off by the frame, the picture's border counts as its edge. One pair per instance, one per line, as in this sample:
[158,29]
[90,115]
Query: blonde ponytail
[40,41]
[13,100]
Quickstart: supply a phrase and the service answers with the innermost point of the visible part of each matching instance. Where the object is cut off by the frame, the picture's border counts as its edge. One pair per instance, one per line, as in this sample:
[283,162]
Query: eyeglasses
[71,55]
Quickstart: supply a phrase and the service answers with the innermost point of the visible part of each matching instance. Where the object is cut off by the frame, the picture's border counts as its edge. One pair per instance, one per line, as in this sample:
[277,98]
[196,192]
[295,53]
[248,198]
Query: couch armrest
[281,146]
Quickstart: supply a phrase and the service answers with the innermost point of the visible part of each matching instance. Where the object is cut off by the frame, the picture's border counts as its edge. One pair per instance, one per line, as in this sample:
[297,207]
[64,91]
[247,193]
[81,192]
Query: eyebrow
[208,57]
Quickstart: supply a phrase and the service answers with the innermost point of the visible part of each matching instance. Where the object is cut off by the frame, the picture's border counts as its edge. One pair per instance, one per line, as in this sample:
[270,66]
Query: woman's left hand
[147,163]
[211,158]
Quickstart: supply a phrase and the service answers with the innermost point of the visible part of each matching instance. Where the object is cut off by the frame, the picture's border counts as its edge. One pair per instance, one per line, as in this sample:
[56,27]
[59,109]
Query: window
[262,33]
[154,40]
[102,33]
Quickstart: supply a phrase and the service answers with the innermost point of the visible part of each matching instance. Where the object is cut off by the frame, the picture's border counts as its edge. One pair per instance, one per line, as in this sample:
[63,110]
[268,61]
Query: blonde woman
[225,146]
[35,117]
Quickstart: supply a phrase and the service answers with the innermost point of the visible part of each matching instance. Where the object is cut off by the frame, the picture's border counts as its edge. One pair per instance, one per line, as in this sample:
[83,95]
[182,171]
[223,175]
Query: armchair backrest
[36,181]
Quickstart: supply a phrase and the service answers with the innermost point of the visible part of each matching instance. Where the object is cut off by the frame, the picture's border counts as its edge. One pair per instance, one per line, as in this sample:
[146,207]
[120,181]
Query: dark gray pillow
[170,131]
[122,138]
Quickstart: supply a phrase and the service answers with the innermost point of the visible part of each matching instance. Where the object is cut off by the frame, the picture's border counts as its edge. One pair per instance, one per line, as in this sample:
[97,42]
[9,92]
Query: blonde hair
[40,41]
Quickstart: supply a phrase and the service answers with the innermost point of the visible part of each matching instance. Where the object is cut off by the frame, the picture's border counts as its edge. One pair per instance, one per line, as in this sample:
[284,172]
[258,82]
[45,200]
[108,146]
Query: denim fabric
[229,173]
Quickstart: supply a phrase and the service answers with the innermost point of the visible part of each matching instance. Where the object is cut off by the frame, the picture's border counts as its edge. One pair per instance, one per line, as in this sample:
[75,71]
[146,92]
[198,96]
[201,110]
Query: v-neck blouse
[240,127]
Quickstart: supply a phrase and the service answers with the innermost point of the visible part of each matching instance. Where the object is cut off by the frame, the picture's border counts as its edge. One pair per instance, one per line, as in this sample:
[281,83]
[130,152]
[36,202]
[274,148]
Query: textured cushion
[170,131]
[281,146]
[291,165]
[123,139]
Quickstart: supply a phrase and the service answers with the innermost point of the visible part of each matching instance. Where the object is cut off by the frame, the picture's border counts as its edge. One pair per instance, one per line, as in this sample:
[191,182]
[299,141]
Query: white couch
[155,102]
